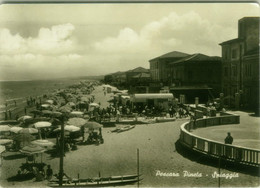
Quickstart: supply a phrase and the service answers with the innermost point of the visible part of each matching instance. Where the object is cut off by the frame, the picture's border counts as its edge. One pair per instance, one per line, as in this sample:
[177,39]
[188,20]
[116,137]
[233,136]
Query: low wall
[216,149]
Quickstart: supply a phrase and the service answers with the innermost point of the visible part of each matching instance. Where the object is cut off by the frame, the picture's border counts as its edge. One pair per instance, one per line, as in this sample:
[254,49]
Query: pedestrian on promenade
[25,110]
[229,139]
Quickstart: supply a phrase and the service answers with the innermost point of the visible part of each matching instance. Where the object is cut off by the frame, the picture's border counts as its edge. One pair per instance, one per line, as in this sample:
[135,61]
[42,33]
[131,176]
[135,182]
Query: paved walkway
[246,134]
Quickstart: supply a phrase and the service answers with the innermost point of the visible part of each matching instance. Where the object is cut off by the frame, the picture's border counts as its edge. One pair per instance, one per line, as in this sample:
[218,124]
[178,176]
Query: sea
[19,91]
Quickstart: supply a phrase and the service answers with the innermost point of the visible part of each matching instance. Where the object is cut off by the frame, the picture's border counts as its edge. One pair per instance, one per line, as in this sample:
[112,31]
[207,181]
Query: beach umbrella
[49,101]
[65,109]
[94,105]
[23,138]
[5,141]
[43,143]
[15,129]
[9,122]
[35,112]
[46,112]
[4,128]
[77,121]
[25,118]
[2,149]
[45,105]
[32,149]
[71,104]
[92,125]
[76,114]
[69,128]
[42,124]
[28,130]
[56,114]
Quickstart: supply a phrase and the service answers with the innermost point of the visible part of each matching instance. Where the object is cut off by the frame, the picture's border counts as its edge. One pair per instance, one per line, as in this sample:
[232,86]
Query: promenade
[246,134]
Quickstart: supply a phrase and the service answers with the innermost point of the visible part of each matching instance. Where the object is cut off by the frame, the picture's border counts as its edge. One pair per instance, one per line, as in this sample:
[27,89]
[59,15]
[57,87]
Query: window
[225,71]
[234,54]
[225,55]
[190,75]
[234,70]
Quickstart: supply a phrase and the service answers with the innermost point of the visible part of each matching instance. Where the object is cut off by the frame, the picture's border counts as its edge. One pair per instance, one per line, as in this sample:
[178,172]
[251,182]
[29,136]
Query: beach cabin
[153,99]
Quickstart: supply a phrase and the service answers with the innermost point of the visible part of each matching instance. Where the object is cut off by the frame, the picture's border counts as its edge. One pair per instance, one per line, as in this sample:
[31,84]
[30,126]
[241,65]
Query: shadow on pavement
[214,162]
[13,157]
[21,177]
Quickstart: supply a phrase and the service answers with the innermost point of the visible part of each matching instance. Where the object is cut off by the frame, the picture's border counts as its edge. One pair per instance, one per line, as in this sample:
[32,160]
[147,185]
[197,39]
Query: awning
[140,97]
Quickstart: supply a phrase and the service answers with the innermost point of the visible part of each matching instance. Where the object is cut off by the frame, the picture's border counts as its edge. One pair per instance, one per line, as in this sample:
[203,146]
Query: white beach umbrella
[42,124]
[49,101]
[93,104]
[70,128]
[5,141]
[32,149]
[43,143]
[24,118]
[4,128]
[77,121]
[15,129]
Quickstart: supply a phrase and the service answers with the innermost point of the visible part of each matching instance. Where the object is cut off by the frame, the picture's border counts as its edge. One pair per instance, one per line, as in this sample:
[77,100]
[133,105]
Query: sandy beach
[118,156]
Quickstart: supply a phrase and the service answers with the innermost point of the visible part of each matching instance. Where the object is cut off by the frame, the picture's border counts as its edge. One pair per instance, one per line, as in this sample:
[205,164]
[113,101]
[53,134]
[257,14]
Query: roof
[142,75]
[231,41]
[153,96]
[173,54]
[190,88]
[197,57]
[139,69]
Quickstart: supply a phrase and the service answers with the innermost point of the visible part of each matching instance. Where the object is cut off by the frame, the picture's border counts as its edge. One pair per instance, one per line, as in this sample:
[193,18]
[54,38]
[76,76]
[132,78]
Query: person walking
[49,173]
[229,139]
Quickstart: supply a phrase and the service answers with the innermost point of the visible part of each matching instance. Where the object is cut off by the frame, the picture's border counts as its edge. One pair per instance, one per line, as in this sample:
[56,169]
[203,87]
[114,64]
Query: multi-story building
[240,69]
[196,75]
[159,69]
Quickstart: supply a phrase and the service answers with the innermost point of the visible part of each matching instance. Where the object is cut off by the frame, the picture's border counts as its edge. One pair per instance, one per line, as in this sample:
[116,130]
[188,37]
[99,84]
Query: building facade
[240,69]
[159,66]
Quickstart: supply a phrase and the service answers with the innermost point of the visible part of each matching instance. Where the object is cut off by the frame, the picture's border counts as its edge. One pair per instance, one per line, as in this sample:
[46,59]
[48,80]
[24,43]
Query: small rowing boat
[97,182]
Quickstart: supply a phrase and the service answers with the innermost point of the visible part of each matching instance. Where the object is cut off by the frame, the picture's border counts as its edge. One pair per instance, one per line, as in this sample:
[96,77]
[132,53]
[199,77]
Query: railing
[216,149]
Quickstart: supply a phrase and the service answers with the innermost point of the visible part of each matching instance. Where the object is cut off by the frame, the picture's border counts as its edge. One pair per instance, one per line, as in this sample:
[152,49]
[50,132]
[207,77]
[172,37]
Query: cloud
[55,40]
[188,32]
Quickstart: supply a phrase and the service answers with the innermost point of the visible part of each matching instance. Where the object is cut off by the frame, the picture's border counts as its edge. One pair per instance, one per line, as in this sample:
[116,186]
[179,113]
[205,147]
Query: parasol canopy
[23,138]
[46,112]
[94,105]
[56,114]
[15,129]
[5,141]
[2,149]
[4,128]
[28,130]
[24,118]
[69,128]
[71,104]
[42,124]
[45,105]
[49,101]
[35,112]
[43,143]
[65,109]
[92,125]
[77,121]
[32,149]
[76,114]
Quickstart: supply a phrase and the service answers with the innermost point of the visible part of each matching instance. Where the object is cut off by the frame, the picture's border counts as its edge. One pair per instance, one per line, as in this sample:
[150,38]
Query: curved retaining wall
[216,149]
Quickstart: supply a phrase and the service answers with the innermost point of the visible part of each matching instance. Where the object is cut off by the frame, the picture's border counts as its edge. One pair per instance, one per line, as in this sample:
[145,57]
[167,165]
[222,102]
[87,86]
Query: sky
[46,41]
